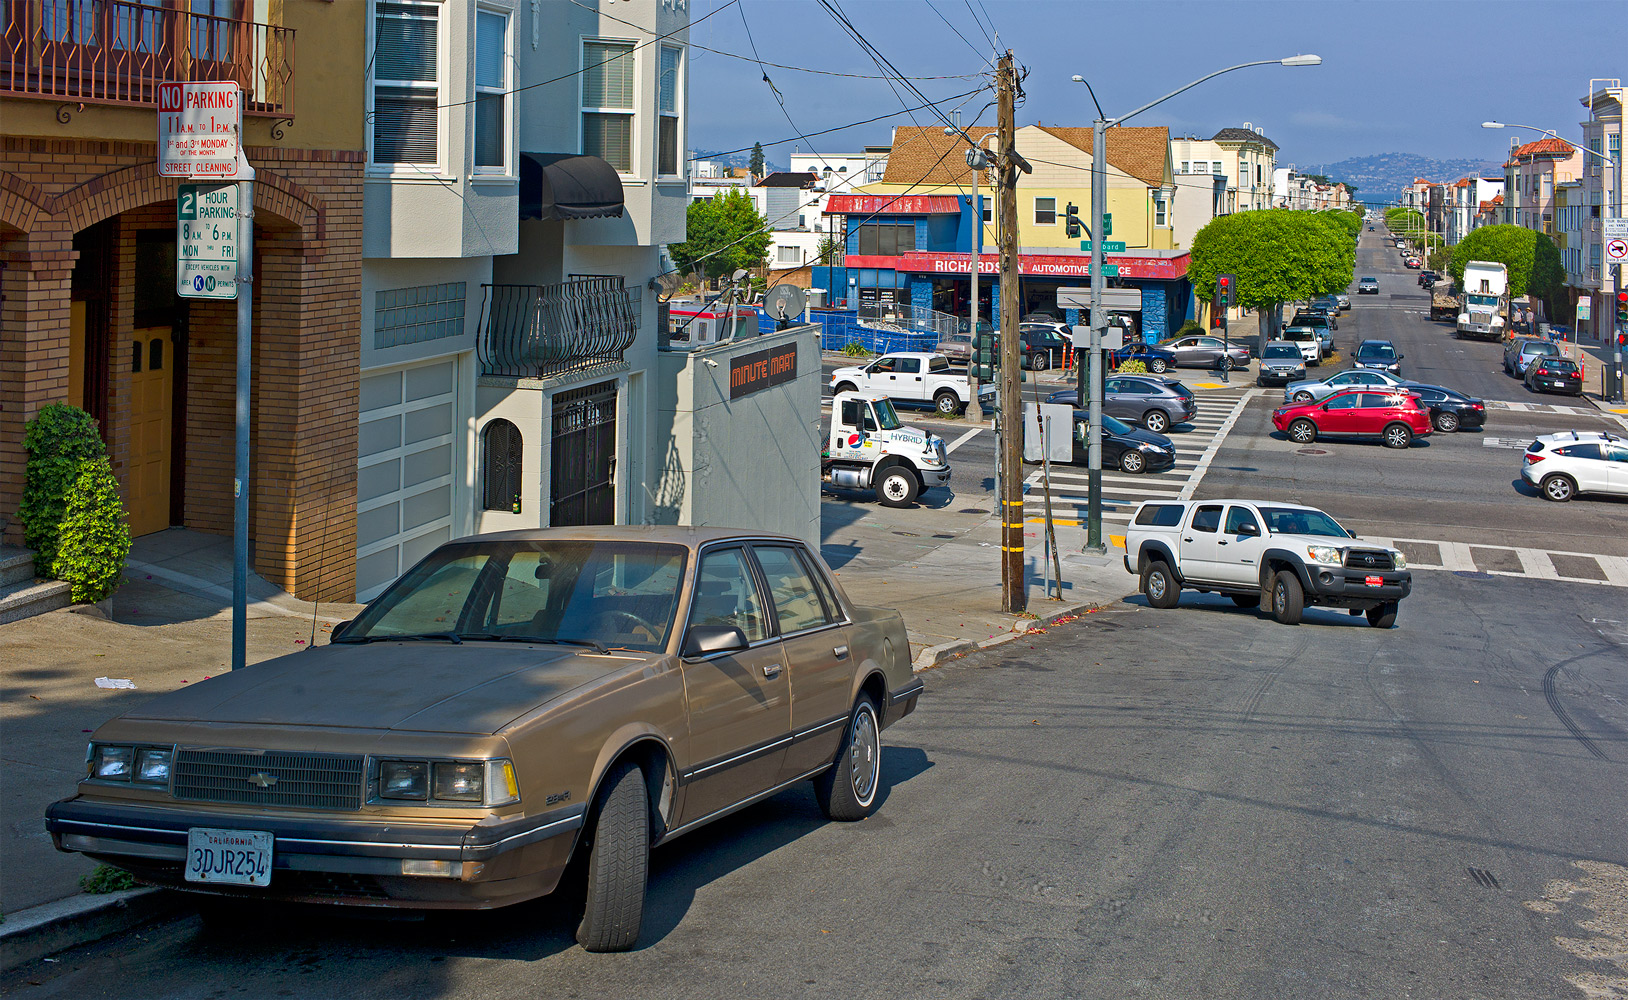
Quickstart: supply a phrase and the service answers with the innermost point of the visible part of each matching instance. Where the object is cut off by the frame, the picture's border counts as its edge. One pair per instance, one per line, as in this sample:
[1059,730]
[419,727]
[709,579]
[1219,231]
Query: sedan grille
[269,778]
[1368,559]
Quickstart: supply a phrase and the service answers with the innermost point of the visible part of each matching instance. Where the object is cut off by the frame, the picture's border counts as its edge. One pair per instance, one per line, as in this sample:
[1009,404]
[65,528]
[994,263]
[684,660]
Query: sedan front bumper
[489,862]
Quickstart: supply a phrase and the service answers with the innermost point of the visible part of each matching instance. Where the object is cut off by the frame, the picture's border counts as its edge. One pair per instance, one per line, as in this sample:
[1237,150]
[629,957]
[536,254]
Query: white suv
[1572,462]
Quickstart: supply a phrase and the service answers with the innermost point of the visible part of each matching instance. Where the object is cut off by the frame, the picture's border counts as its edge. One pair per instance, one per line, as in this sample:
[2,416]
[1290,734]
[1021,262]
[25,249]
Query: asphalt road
[1160,804]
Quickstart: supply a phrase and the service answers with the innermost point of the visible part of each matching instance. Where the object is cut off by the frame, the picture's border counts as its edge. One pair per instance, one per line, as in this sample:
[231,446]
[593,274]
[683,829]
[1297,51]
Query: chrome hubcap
[1280,598]
[1398,438]
[864,756]
[1156,586]
[1558,489]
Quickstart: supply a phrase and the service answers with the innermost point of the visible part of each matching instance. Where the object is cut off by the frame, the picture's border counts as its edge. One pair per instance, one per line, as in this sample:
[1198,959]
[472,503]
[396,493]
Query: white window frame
[1037,202]
[583,110]
[677,114]
[509,168]
[438,169]
[1161,210]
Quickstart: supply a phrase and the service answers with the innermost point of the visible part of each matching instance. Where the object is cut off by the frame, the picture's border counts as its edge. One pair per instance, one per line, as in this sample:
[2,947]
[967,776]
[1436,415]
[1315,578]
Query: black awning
[568,186]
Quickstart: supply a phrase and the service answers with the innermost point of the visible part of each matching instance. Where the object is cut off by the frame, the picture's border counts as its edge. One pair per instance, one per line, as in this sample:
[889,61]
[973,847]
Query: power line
[839,128]
[957,31]
[979,23]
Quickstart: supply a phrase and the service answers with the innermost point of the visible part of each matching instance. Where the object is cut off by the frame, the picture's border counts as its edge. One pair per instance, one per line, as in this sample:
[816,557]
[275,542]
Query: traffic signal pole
[1098,323]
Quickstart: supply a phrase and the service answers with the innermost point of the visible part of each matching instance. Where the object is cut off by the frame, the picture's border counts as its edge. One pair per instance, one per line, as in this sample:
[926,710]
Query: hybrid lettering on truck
[1484,304]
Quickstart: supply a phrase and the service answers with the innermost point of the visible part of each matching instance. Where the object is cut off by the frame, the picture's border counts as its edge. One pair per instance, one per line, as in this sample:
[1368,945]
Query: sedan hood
[477,687]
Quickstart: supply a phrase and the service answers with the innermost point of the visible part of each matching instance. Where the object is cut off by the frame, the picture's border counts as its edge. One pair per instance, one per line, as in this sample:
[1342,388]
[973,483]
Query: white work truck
[909,377]
[1484,305]
[868,449]
[1278,556]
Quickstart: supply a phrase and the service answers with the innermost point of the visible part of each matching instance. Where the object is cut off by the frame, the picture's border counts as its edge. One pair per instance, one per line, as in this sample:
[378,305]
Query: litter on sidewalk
[121,683]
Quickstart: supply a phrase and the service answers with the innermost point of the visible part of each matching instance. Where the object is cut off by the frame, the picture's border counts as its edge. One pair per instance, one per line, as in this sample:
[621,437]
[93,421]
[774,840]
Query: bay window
[406,90]
[607,102]
[491,91]
[667,138]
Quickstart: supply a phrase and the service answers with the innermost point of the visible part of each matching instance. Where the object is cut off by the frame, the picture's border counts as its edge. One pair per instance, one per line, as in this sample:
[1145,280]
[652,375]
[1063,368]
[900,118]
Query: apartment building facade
[1244,156]
[91,317]
[1599,194]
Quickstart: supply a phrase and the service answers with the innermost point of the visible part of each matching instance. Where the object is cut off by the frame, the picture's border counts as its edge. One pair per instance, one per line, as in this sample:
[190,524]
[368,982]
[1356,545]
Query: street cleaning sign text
[198,128]
[206,217]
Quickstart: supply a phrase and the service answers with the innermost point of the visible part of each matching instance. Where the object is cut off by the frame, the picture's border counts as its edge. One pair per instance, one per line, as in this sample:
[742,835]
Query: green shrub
[95,539]
[57,440]
[1190,328]
[855,349]
[1133,366]
[107,878]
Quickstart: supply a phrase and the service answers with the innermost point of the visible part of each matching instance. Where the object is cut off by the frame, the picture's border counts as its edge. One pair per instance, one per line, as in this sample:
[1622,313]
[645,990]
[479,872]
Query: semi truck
[1484,302]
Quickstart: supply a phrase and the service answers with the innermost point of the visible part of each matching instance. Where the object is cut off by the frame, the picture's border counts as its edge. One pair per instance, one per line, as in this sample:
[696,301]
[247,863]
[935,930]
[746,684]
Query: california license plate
[228,857]
[1374,581]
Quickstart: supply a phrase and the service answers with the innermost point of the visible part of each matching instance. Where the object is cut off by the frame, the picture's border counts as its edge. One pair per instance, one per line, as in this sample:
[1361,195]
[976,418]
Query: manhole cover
[1311,451]
[972,510]
[909,534]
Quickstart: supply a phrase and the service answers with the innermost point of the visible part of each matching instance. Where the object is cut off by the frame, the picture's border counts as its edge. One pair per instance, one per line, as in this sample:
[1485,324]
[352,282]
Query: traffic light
[1072,221]
[1622,307]
[1225,290]
[983,356]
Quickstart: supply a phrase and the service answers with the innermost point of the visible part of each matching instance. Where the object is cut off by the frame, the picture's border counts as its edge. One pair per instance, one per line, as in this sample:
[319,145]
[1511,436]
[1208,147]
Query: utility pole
[1014,582]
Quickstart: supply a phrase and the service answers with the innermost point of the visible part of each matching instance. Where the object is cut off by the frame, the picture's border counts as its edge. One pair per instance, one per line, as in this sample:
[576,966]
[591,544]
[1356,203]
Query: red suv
[1395,417]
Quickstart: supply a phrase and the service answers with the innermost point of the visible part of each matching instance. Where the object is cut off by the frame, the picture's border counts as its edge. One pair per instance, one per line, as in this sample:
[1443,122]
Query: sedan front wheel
[1133,462]
[1157,365]
[618,864]
[1302,396]
[847,789]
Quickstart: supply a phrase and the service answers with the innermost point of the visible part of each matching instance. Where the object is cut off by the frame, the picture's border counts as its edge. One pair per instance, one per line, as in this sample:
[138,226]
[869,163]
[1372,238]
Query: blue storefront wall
[841,327]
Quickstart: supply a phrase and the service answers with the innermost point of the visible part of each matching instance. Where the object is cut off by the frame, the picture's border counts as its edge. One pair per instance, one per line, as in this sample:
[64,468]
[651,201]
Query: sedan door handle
[840,652]
[771,671]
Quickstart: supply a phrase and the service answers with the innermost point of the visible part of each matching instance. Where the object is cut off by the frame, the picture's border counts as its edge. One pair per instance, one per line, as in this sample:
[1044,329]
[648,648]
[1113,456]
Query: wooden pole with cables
[1014,581]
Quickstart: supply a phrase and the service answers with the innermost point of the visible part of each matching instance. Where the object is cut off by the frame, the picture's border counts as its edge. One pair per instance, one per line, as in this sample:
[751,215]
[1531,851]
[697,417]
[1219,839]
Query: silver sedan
[1311,391]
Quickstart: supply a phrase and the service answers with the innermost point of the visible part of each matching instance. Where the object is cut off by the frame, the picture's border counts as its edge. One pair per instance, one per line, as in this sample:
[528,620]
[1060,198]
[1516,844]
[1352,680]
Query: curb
[29,935]
[933,656]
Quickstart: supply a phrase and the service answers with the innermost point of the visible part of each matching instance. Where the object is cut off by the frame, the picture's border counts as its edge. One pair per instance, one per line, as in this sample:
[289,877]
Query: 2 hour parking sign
[206,241]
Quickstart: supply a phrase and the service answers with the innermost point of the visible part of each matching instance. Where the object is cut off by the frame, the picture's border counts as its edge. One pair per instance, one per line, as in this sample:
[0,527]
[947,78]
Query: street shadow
[1215,604]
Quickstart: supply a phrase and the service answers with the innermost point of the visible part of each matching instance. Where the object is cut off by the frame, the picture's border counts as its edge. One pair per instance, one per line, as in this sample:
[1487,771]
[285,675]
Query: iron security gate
[583,490]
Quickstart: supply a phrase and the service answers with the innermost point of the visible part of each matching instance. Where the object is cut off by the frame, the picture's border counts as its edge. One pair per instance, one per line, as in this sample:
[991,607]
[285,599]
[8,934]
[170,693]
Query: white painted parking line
[968,436]
[1615,569]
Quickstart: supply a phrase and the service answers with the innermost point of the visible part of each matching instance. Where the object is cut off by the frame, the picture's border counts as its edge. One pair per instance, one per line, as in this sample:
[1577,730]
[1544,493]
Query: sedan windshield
[1298,521]
[571,592]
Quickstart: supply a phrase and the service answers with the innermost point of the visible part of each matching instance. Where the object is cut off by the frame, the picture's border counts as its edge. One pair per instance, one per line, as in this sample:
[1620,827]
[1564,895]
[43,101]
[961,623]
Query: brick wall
[307,340]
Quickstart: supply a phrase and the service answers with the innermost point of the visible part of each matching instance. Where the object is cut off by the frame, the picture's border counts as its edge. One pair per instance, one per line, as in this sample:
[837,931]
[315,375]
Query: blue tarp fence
[841,327]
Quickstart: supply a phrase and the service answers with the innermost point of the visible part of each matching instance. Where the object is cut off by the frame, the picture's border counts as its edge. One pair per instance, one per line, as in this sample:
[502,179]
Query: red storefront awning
[1029,265]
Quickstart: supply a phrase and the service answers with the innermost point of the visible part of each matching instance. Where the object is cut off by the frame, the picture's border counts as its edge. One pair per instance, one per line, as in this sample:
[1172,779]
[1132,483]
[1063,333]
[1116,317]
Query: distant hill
[1380,177]
[737,159]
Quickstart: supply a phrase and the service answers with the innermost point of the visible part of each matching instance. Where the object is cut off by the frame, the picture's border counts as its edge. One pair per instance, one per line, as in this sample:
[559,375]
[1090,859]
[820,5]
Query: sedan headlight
[111,763]
[449,782]
[1326,554]
[153,766]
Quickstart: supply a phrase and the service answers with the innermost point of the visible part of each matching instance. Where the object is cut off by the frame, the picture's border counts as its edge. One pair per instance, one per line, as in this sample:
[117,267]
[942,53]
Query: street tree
[1530,256]
[756,162]
[723,235]
[1278,256]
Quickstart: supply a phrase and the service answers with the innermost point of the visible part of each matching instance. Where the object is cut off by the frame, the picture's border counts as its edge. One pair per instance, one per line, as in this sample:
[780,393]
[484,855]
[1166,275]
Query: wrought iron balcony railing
[112,52]
[539,330]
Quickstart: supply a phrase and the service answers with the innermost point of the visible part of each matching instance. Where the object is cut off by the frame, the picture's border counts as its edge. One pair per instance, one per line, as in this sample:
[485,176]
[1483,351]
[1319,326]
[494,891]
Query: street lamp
[1099,321]
[978,162]
[1615,389]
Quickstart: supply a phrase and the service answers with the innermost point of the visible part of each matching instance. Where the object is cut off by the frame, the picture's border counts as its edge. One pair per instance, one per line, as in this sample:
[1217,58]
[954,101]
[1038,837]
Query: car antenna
[313,643]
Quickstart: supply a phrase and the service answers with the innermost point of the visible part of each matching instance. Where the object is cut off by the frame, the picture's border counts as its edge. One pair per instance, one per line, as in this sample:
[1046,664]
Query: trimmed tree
[1278,256]
[58,440]
[722,236]
[1531,258]
[95,539]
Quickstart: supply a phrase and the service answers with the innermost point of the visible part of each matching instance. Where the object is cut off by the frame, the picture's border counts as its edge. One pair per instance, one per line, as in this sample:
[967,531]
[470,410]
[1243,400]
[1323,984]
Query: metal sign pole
[240,474]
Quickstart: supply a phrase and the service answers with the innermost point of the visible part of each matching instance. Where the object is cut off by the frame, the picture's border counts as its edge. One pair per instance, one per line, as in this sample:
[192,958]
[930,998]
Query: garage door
[405,471]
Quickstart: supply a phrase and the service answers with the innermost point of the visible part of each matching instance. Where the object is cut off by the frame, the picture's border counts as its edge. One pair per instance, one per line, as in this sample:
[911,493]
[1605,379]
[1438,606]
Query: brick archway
[21,203]
[121,190]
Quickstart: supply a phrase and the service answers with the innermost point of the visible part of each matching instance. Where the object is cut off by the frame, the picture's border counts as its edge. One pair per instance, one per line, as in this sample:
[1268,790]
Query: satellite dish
[785,300]
[738,275]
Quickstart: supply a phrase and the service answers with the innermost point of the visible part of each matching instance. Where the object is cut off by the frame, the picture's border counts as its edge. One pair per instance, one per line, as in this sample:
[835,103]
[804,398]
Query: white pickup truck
[916,378]
[868,449]
[1278,556]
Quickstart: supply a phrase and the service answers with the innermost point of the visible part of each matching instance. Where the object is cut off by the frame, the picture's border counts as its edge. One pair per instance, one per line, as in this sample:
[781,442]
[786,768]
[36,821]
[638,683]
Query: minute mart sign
[206,217]
[761,370]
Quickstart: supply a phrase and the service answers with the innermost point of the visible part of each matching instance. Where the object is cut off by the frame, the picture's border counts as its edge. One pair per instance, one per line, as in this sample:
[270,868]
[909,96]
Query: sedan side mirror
[1249,528]
[705,640]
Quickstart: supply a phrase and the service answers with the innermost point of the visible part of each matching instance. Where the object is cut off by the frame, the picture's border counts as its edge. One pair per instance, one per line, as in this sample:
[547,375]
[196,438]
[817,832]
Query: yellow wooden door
[150,356]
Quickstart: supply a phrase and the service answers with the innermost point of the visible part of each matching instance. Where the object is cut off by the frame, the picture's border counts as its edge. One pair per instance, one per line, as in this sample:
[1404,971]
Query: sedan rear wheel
[1398,436]
[1558,488]
[1132,461]
[847,790]
[1156,421]
[1446,422]
[1302,432]
[1039,362]
[618,864]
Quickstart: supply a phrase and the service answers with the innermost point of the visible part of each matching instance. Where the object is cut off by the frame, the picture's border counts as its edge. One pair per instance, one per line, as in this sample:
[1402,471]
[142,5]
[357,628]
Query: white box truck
[1484,305]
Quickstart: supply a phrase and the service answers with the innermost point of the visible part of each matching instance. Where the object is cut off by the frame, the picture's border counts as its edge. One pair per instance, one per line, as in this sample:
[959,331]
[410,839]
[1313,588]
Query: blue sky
[1417,76]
